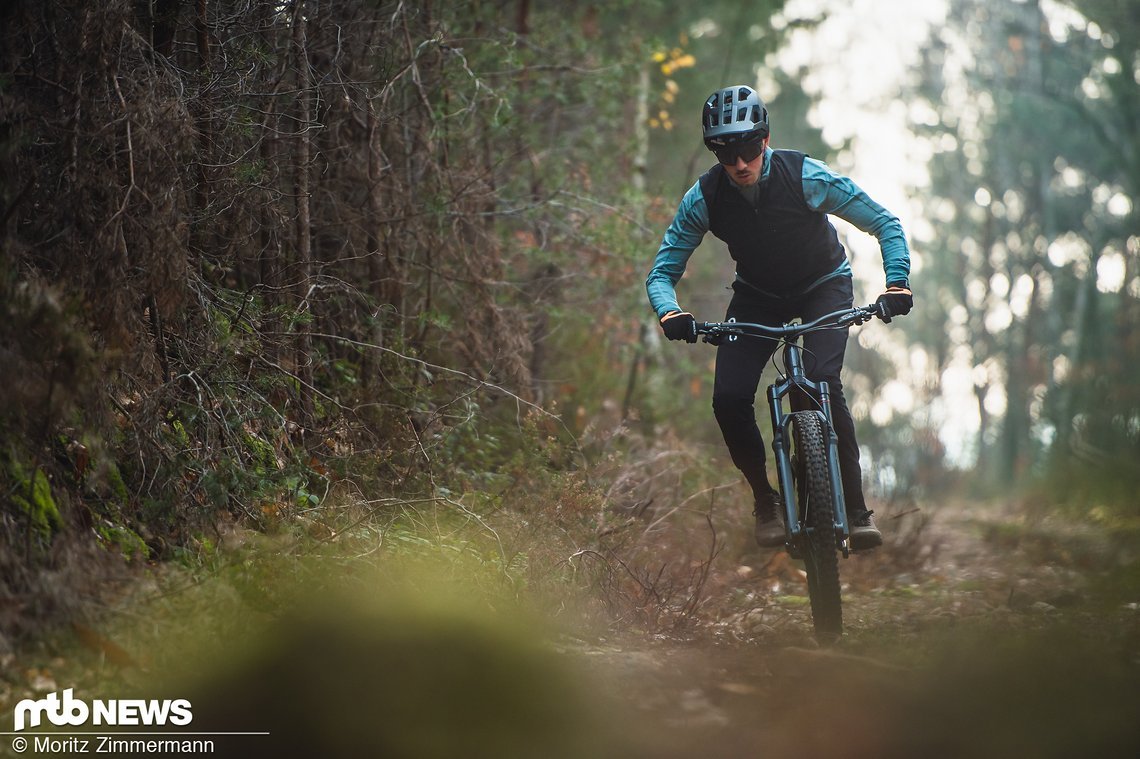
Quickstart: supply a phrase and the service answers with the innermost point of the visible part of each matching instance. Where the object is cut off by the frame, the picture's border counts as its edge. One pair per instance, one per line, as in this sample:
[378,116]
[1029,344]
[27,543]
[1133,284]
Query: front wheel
[817,512]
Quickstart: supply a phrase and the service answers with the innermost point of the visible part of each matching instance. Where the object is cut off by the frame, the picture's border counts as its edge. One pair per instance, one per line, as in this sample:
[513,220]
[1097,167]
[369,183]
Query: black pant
[740,363]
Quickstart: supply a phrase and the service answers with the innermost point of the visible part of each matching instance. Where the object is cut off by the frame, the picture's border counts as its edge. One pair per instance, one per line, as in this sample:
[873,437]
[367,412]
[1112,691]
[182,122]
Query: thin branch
[437,367]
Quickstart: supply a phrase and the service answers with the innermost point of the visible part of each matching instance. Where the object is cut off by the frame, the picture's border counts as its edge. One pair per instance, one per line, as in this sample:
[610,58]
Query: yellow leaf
[658,57]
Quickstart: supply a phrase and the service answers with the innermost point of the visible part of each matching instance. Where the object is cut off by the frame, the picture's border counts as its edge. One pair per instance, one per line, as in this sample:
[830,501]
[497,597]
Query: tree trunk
[303,227]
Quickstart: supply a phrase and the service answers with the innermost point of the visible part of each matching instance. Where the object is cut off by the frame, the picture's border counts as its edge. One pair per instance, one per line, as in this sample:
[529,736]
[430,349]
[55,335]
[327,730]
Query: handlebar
[714,331]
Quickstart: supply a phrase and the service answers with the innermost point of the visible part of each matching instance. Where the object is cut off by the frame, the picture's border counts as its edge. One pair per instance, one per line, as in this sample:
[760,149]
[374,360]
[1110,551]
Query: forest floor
[974,632]
[998,636]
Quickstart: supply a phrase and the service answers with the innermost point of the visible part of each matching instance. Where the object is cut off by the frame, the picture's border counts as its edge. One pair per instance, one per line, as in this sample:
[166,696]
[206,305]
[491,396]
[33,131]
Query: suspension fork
[797,380]
[780,448]
[834,473]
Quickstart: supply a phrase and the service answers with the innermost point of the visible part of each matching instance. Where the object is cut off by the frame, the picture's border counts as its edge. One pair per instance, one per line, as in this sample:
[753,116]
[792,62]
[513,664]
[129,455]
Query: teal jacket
[824,191]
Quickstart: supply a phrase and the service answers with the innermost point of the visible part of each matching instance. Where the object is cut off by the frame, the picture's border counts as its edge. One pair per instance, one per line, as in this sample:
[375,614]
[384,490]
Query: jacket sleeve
[831,193]
[684,234]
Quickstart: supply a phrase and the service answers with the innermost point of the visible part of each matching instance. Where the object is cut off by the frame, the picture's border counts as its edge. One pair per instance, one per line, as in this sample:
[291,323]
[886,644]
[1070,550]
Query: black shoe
[769,526]
[864,533]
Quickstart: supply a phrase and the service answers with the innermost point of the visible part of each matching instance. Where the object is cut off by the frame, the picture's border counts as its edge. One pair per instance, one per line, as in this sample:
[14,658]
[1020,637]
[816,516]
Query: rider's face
[746,173]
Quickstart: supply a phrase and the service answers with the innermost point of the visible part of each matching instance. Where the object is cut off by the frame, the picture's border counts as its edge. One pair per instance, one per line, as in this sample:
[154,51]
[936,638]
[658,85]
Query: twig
[480,383]
[479,519]
[374,507]
[706,567]
[681,505]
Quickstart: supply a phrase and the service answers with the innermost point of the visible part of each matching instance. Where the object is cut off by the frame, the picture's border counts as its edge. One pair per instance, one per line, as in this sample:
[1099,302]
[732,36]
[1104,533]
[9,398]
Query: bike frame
[795,380]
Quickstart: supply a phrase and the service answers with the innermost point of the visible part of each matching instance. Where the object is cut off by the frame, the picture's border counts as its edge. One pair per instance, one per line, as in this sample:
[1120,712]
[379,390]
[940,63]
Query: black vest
[781,247]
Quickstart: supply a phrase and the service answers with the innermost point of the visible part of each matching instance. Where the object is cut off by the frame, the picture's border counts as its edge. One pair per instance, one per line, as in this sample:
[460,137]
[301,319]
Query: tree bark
[303,219]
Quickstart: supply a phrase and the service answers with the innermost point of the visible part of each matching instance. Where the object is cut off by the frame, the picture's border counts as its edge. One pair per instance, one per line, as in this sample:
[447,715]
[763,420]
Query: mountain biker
[770,207]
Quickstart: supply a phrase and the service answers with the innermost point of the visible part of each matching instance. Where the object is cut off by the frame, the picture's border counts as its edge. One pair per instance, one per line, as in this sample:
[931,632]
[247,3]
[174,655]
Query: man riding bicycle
[770,207]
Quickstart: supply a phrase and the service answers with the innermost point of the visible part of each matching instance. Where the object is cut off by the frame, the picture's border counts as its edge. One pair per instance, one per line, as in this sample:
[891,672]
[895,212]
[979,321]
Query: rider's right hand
[679,325]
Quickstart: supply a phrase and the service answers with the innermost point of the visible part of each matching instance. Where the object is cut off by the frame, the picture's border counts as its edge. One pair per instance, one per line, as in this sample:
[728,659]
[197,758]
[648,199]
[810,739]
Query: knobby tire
[817,510]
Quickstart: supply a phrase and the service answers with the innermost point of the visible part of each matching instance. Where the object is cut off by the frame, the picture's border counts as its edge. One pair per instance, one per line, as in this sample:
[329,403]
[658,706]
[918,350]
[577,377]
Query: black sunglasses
[747,150]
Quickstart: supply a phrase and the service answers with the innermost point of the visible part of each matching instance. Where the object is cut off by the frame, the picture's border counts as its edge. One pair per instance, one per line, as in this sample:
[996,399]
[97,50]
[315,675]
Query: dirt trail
[994,639]
[973,633]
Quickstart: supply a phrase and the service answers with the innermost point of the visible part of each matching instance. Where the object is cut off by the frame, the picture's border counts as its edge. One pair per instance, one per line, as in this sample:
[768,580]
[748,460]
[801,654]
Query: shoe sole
[866,542]
[774,539]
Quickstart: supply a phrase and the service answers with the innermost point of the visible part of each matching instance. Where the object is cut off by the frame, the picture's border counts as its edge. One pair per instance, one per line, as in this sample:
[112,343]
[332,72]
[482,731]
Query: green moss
[180,433]
[124,540]
[264,456]
[116,483]
[32,496]
[793,600]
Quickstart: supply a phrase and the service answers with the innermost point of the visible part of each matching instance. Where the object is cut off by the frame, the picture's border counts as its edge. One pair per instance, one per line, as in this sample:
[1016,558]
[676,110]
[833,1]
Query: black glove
[679,325]
[896,301]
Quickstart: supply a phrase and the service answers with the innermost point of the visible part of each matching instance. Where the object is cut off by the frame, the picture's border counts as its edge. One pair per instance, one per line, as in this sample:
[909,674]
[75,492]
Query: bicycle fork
[781,446]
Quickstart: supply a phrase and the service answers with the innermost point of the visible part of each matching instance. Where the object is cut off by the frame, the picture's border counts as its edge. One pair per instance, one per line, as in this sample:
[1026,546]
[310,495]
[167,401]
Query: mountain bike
[807,458]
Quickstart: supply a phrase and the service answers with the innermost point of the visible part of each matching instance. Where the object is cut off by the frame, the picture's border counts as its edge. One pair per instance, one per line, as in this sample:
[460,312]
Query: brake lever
[721,335]
[855,318]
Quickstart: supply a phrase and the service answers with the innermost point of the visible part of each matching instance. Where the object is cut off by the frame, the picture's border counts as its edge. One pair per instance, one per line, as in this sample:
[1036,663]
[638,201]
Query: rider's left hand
[896,301]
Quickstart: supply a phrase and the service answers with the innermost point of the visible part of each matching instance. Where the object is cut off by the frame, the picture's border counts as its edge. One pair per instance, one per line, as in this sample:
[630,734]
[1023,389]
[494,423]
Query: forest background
[371,275]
